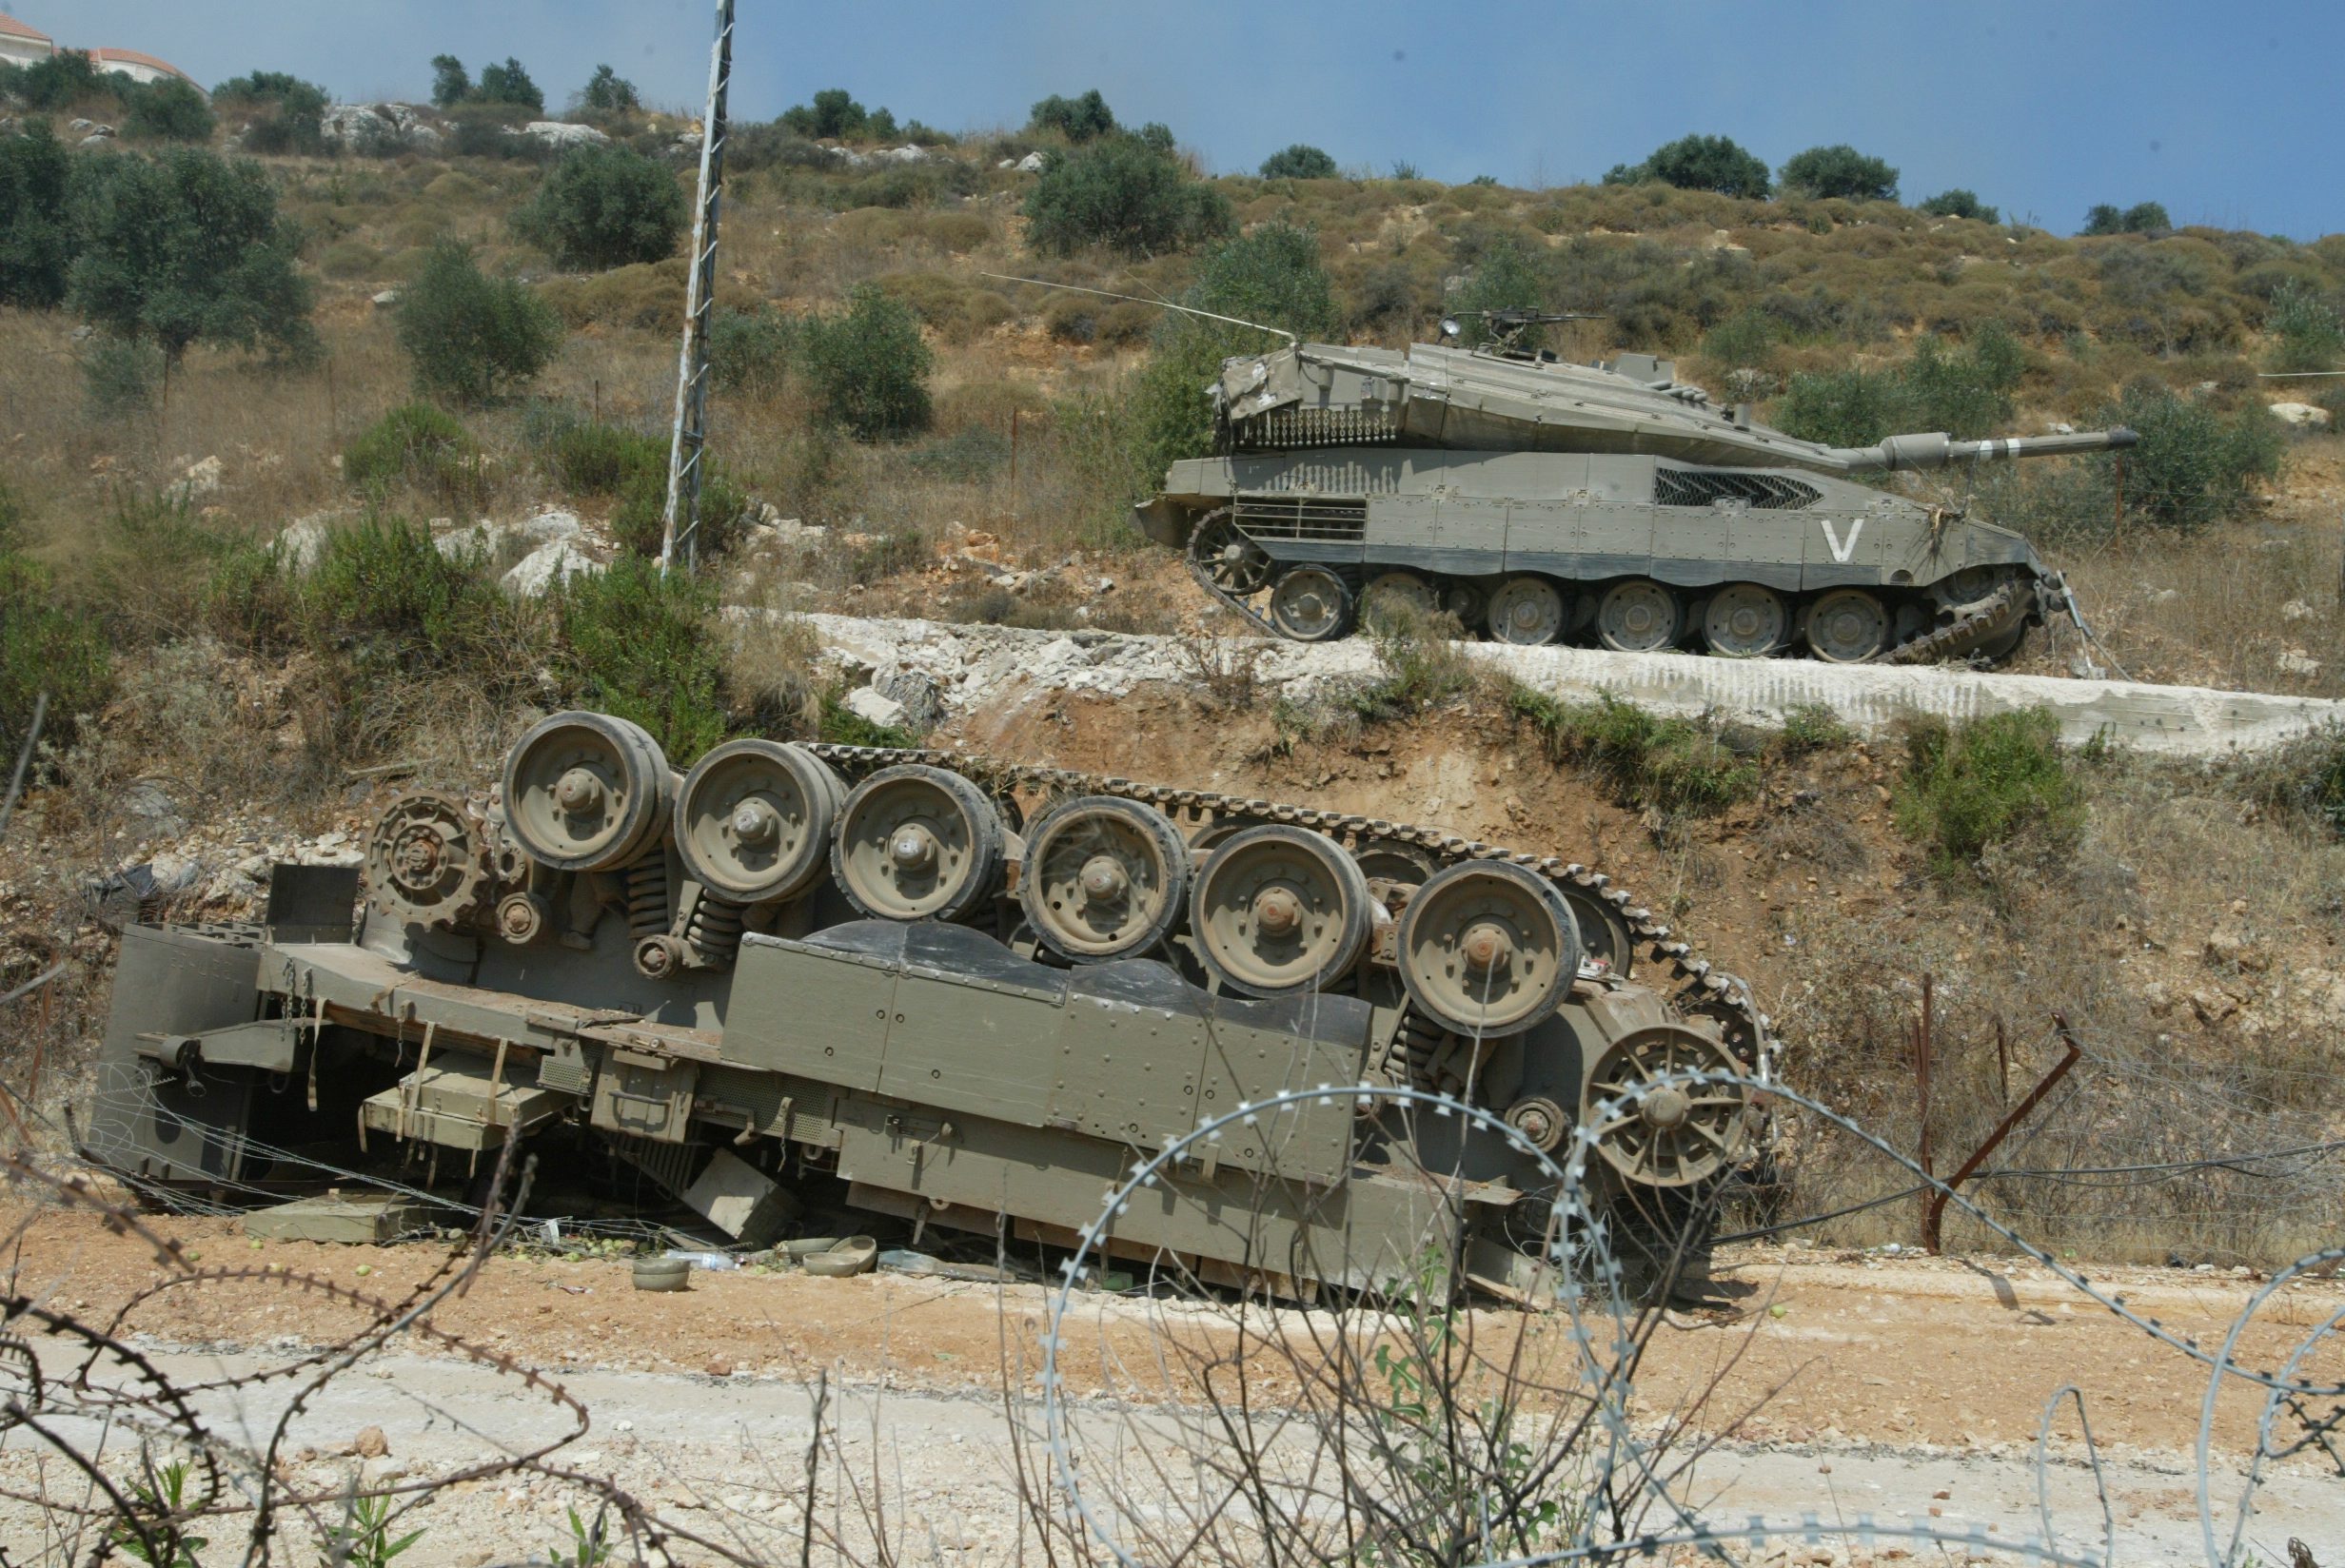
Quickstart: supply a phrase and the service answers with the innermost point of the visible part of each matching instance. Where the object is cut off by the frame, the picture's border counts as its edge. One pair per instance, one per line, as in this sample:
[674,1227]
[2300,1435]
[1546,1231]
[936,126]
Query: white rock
[865,703]
[204,477]
[82,125]
[905,154]
[1007,162]
[2304,416]
[561,133]
[2296,661]
[548,565]
[356,125]
[389,298]
[425,138]
[2295,609]
[97,139]
[2063,429]
[303,538]
[1032,162]
[785,534]
[175,872]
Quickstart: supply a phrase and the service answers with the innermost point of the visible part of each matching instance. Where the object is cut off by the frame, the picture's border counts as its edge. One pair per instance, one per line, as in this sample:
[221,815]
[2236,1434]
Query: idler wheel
[1487,948]
[428,861]
[1746,620]
[918,843]
[660,957]
[1104,878]
[1278,911]
[1235,563]
[1639,616]
[586,792]
[1311,604]
[1676,1134]
[1526,612]
[1847,626]
[755,818]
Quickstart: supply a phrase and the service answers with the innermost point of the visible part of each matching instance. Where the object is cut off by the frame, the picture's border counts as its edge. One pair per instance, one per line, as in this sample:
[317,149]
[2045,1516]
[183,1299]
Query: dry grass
[2189,941]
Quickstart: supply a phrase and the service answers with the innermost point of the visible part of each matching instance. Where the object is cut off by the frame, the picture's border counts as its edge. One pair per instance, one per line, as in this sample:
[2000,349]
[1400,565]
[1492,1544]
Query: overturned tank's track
[1695,984]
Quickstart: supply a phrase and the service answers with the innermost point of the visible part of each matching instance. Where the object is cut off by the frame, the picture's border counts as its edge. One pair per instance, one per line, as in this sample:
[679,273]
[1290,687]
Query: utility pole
[681,523]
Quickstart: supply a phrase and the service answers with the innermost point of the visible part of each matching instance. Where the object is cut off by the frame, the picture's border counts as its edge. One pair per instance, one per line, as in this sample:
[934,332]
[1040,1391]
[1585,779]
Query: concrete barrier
[982,667]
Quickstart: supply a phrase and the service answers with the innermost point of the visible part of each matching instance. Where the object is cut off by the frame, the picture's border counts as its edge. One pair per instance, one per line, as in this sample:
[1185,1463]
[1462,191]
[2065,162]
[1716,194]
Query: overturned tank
[1541,501]
[965,994]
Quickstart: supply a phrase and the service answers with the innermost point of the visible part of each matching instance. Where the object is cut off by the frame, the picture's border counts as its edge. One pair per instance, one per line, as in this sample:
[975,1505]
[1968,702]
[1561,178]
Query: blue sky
[2226,114]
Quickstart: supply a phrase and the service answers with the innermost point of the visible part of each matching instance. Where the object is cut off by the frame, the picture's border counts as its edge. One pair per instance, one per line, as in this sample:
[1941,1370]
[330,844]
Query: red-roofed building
[21,45]
[139,68]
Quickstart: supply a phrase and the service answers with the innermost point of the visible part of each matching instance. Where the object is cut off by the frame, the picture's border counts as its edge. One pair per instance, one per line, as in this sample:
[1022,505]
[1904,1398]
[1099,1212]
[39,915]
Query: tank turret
[1539,500]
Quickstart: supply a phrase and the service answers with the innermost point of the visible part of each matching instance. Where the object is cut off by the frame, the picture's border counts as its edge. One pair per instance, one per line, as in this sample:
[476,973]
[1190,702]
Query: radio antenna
[1184,309]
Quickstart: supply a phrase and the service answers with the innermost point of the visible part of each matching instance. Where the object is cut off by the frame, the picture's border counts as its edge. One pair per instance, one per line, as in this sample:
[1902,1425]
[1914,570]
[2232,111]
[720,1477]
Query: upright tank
[1540,500]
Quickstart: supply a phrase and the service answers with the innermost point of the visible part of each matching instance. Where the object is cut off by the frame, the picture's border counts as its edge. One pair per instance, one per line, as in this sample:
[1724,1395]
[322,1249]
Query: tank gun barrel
[1938,451]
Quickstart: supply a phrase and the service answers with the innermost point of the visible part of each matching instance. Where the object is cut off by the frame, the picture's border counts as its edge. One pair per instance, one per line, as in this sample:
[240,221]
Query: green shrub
[749,351]
[1966,392]
[836,116]
[471,336]
[604,207]
[1508,275]
[287,113]
[643,646]
[1419,662]
[842,726]
[869,367]
[65,79]
[1698,163]
[1747,337]
[509,84]
[419,444]
[383,579]
[1271,276]
[2308,333]
[1082,119]
[2141,218]
[188,247]
[1970,787]
[1671,766]
[45,646]
[37,241]
[120,375]
[1959,203]
[276,89]
[1812,727]
[1123,194]
[1299,161]
[608,93]
[451,84]
[2193,466]
[168,110]
[1841,172]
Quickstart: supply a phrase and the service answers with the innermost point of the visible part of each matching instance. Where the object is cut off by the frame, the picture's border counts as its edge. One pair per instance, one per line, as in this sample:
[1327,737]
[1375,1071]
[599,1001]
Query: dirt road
[1904,1389]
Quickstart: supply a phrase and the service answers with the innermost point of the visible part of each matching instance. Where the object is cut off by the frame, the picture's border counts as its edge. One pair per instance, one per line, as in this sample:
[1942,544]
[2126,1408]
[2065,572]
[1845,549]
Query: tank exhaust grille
[1706,487]
[1289,427]
[1320,518]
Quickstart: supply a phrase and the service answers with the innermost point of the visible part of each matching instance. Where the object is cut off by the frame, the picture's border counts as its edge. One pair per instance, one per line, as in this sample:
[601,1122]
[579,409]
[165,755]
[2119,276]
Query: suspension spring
[716,929]
[647,895]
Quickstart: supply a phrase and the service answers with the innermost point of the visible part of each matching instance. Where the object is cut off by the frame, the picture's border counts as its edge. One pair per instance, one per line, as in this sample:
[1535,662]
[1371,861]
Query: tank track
[1991,620]
[1694,982]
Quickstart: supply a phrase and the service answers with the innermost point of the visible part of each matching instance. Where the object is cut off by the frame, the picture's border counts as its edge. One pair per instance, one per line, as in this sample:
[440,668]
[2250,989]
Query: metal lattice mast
[680,524]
